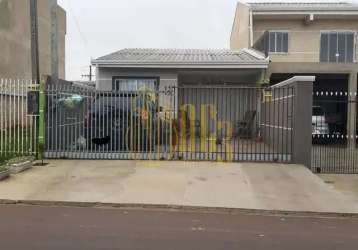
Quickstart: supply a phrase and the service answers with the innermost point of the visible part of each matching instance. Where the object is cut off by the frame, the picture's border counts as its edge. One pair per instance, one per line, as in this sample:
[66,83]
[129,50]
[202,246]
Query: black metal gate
[216,123]
[334,132]
[233,123]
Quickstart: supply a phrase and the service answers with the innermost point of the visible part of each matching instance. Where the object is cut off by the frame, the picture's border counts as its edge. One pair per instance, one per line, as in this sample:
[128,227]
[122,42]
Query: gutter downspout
[251,29]
[97,76]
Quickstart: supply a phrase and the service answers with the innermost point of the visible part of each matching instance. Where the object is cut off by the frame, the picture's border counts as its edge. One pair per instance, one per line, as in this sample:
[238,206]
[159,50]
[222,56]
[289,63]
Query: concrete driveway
[207,184]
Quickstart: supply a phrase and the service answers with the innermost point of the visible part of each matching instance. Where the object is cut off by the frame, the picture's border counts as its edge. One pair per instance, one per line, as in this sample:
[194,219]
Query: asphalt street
[36,227]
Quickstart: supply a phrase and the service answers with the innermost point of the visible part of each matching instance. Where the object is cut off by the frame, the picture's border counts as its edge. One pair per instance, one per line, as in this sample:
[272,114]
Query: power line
[77,24]
[78,27]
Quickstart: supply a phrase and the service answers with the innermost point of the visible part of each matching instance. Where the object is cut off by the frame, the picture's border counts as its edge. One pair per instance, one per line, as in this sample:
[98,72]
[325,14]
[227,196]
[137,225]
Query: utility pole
[90,74]
[54,40]
[35,68]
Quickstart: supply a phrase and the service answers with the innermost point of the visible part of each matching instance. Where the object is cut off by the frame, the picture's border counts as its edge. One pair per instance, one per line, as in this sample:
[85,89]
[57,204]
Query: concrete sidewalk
[206,184]
[344,183]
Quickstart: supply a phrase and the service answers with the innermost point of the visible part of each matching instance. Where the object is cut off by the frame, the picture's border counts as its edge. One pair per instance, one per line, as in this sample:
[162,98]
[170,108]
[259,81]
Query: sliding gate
[334,132]
[172,123]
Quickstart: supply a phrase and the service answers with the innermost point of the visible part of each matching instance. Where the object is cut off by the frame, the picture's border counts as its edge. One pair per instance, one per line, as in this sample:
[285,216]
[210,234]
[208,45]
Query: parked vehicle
[320,128]
[319,121]
[124,121]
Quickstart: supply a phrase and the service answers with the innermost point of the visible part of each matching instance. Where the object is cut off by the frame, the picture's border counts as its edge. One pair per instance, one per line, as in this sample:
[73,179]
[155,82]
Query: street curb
[177,208]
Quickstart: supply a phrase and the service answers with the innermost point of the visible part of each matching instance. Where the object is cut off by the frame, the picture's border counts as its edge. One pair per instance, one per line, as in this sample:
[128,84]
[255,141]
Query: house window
[134,84]
[278,42]
[337,47]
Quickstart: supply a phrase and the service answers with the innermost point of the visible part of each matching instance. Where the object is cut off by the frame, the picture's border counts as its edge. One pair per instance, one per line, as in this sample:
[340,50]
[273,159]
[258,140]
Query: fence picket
[15,127]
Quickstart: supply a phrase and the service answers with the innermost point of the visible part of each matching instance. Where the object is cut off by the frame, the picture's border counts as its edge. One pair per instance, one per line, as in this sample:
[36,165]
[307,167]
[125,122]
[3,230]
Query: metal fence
[234,124]
[334,132]
[89,124]
[18,129]
[277,122]
[185,123]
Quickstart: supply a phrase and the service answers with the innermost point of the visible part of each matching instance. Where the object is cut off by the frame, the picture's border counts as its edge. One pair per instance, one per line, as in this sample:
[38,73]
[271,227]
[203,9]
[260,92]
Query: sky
[96,28]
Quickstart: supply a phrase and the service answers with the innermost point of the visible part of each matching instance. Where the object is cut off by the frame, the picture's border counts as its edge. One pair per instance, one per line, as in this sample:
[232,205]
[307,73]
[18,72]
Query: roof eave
[225,65]
[307,11]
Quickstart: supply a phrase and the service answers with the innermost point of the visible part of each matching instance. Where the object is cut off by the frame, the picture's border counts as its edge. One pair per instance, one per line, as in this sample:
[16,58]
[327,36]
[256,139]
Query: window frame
[353,32]
[157,80]
[288,42]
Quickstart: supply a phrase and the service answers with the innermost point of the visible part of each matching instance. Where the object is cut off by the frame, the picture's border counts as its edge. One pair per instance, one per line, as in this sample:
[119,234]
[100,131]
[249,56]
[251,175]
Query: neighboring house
[15,39]
[305,39]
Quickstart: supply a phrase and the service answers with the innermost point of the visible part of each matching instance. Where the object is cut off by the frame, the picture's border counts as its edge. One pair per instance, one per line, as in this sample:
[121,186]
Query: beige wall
[304,40]
[15,39]
[240,35]
[62,30]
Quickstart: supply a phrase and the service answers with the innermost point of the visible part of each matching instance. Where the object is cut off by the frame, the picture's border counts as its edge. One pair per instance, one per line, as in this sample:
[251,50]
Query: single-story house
[186,66]
[187,69]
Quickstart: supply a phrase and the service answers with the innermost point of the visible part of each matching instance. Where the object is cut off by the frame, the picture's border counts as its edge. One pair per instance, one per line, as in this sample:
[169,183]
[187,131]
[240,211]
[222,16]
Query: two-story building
[15,38]
[306,39]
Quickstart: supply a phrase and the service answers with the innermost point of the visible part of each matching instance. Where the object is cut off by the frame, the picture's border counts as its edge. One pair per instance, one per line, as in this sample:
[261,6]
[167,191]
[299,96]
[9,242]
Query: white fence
[18,129]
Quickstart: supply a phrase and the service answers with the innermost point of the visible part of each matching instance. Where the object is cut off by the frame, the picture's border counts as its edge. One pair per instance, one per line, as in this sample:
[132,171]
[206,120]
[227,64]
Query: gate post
[352,110]
[302,118]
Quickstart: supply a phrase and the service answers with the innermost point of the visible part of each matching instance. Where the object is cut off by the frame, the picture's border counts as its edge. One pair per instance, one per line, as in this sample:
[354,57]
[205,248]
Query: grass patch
[21,159]
[17,141]
[4,159]
[11,159]
[3,168]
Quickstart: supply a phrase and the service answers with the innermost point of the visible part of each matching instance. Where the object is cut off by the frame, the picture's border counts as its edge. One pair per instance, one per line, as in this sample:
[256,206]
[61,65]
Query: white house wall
[166,79]
[105,76]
